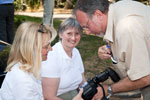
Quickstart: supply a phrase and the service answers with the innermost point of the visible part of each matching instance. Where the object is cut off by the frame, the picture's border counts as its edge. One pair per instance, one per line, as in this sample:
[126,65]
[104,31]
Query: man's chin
[100,34]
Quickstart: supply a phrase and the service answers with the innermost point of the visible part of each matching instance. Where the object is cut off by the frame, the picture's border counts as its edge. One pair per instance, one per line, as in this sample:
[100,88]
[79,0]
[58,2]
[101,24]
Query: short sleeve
[51,67]
[133,47]
[26,90]
[80,61]
[82,66]
[19,85]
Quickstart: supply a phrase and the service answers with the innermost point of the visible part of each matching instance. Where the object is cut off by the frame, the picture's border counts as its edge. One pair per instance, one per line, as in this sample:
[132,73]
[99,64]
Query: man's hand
[104,53]
[99,94]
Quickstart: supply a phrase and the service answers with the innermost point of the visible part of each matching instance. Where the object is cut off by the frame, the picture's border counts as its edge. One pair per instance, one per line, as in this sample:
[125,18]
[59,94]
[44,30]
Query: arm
[50,87]
[83,77]
[127,85]
[124,85]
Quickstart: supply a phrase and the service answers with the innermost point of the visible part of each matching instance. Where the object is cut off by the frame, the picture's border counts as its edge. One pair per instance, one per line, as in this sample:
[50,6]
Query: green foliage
[33,4]
[88,48]
[60,3]
[63,3]
[18,19]
[74,2]
[20,5]
[146,2]
[23,4]
[3,58]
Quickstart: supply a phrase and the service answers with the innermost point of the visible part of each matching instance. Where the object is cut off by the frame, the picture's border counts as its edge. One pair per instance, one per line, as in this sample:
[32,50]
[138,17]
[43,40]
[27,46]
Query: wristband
[109,91]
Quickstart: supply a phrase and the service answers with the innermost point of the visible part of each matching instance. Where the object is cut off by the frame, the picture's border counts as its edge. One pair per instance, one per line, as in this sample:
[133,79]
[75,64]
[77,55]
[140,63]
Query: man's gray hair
[69,23]
[89,6]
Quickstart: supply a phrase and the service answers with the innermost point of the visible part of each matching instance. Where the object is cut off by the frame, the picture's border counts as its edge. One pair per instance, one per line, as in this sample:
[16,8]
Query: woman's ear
[60,35]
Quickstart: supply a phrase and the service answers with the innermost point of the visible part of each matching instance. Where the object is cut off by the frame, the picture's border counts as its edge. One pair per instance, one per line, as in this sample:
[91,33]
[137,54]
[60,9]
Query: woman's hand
[79,95]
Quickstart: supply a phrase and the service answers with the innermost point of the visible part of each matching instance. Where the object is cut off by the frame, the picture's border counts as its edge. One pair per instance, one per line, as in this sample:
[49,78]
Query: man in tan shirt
[126,27]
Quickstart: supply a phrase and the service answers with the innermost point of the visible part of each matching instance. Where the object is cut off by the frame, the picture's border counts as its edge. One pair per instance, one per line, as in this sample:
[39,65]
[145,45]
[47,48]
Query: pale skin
[70,39]
[98,24]
[47,81]
[50,87]
[45,45]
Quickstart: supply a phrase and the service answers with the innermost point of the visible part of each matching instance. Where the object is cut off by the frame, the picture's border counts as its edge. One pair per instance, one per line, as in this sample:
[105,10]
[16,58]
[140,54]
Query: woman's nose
[50,48]
[73,37]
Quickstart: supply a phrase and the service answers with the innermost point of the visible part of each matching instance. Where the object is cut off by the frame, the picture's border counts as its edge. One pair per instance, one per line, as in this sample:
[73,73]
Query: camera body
[90,87]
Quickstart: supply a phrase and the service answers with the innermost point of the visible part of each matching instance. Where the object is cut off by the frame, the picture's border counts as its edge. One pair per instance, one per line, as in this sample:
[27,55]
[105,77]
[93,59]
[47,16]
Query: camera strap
[104,96]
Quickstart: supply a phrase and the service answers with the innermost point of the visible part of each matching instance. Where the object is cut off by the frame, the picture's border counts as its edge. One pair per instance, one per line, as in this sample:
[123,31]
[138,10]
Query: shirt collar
[109,31]
[63,53]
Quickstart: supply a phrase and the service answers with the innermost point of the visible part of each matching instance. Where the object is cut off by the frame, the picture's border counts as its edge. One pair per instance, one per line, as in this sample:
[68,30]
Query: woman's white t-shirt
[20,85]
[60,65]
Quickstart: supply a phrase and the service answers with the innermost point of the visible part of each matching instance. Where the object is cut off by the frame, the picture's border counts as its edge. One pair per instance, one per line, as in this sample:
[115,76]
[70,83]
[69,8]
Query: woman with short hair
[63,71]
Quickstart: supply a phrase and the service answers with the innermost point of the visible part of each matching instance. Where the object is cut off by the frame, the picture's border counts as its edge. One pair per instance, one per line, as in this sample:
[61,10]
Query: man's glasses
[86,26]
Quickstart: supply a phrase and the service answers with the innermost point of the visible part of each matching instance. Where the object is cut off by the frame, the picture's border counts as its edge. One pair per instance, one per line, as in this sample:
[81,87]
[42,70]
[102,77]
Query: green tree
[68,4]
[23,4]
[34,4]
[146,2]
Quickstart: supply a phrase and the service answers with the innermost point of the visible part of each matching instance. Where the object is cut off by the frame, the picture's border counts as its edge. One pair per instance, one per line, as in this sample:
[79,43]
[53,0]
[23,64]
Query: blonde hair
[26,47]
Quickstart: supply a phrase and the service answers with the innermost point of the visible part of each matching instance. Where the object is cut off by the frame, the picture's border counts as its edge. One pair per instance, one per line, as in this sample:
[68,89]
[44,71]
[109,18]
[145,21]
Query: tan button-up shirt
[128,31]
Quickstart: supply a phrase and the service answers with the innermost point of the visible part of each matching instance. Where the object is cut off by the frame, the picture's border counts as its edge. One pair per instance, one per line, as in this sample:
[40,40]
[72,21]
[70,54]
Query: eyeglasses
[45,29]
[42,28]
[86,26]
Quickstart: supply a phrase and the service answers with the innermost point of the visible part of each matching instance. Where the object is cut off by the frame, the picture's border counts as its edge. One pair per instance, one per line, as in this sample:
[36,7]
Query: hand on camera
[99,94]
[79,95]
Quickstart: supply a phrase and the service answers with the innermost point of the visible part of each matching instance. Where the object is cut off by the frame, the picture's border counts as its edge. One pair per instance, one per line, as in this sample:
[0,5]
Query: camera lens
[83,85]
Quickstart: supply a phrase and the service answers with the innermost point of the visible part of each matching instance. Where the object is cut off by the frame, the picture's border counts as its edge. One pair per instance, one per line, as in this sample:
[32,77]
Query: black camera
[90,87]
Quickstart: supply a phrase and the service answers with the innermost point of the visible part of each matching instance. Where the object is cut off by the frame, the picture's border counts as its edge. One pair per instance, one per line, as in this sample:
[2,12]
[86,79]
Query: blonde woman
[30,46]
